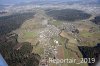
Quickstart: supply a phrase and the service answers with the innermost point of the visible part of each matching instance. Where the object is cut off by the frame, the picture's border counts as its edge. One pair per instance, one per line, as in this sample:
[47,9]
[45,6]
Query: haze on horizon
[20,1]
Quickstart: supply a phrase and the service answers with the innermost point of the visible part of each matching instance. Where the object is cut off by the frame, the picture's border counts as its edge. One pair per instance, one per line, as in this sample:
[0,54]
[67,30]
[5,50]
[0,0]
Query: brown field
[60,54]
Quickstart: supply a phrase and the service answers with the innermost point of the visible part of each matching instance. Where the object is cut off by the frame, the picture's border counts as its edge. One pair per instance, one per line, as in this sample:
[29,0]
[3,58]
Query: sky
[13,1]
[19,1]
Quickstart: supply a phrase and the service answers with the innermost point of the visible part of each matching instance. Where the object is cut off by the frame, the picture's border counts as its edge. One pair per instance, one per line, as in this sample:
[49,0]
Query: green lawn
[38,49]
[56,23]
[69,54]
[30,34]
[87,34]
[93,38]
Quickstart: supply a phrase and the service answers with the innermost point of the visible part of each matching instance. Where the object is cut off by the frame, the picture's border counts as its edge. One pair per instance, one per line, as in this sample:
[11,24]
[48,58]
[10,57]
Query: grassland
[71,50]
[38,49]
[30,34]
[56,23]
[90,38]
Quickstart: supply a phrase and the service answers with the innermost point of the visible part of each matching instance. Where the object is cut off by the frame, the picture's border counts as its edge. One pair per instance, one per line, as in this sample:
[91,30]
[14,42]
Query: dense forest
[12,22]
[67,14]
[96,20]
[91,52]
[17,54]
[14,52]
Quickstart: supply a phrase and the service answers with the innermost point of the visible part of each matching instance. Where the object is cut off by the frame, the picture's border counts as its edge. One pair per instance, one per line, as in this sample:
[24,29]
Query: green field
[56,23]
[30,34]
[92,38]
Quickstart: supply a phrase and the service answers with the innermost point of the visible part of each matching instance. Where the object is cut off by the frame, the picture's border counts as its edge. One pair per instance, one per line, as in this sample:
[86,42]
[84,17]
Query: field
[90,39]
[30,35]
[51,32]
[56,23]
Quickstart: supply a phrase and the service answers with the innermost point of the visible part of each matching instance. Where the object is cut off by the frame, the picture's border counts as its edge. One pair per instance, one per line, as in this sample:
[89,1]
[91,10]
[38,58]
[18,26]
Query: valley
[33,36]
